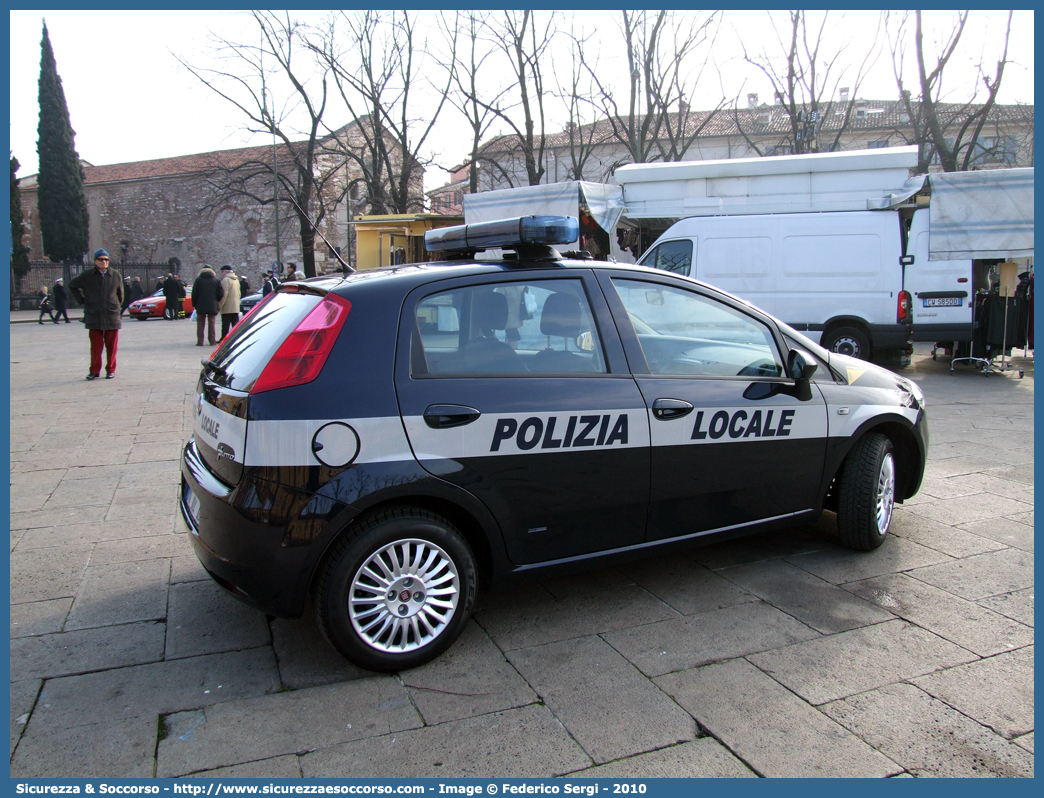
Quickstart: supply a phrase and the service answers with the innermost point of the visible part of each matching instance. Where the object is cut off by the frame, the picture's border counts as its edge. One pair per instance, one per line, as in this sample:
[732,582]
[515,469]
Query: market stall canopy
[604,202]
[985,214]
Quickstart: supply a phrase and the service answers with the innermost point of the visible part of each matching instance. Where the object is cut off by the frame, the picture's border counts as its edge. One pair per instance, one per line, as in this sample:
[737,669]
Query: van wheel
[847,341]
[866,493]
[397,593]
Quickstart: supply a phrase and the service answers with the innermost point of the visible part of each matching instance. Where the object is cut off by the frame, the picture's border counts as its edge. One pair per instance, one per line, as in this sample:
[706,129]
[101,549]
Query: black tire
[849,341]
[866,493]
[405,632]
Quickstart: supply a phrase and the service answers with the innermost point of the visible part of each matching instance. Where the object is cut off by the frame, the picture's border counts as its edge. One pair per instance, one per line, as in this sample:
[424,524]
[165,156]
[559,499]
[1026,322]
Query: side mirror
[800,365]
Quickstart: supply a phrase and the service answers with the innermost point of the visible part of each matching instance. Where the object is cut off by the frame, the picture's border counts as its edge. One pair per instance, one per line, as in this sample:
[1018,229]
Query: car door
[733,441]
[515,387]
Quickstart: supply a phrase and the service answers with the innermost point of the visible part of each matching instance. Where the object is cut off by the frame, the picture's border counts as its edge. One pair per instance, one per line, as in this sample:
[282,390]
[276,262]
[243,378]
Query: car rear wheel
[398,592]
[866,493]
[847,341]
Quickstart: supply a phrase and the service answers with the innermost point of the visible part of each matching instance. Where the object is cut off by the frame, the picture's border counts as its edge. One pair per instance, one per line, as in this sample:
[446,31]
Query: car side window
[537,327]
[671,256]
[685,333]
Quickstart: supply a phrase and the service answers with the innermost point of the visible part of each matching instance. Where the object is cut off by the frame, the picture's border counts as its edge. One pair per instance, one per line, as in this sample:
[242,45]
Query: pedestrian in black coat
[100,291]
[170,296]
[207,294]
[60,299]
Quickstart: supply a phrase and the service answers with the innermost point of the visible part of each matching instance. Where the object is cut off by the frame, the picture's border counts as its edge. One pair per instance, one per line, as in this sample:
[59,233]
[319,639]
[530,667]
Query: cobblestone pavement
[780,655]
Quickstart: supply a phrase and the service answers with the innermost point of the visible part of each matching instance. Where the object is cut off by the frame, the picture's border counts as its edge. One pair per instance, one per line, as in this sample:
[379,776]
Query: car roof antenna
[336,254]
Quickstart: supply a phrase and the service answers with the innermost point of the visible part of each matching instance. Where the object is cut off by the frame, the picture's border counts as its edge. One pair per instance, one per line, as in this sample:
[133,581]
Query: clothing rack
[996,312]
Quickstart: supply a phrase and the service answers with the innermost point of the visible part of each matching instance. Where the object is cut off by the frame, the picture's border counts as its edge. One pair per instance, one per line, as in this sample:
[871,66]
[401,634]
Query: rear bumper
[943,332]
[241,544]
[891,336]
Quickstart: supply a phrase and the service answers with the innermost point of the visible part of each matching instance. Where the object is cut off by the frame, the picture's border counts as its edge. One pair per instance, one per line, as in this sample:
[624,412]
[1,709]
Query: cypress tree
[62,202]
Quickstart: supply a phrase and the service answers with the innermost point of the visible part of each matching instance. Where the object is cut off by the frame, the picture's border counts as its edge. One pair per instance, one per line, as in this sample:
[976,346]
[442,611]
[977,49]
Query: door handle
[446,416]
[667,409]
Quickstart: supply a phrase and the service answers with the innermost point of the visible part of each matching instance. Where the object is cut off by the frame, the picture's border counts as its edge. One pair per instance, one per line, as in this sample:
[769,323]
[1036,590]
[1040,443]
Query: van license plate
[192,502]
[943,302]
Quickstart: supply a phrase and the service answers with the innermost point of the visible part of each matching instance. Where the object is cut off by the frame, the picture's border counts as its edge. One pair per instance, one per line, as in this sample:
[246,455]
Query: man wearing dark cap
[60,299]
[100,291]
[229,308]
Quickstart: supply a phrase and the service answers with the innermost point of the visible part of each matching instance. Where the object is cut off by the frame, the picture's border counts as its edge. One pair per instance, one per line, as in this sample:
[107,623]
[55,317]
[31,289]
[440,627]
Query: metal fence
[43,272]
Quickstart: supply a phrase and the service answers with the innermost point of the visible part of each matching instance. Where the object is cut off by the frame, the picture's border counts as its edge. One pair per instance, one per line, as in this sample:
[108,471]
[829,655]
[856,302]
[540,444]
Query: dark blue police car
[390,441]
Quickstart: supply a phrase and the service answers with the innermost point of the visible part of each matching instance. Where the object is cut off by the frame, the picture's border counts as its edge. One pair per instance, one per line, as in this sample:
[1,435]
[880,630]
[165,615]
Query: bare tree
[583,134]
[805,76]
[667,53]
[254,74]
[948,132]
[472,96]
[525,41]
[377,65]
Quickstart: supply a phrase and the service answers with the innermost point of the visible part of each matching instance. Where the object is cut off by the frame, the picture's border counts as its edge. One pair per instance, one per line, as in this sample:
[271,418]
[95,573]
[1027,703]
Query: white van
[839,277]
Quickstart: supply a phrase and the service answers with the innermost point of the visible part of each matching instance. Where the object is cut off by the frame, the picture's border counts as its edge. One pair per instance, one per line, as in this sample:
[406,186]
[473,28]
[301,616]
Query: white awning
[605,202]
[985,214]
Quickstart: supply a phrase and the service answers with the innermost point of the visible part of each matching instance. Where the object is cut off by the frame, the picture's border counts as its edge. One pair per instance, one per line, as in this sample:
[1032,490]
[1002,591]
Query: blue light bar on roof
[504,233]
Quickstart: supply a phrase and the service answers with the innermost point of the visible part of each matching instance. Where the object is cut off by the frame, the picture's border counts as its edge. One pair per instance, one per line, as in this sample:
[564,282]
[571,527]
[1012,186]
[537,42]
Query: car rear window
[240,360]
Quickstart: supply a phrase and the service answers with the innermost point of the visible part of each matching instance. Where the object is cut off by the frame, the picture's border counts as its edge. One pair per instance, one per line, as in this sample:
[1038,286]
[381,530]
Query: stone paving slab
[23,698]
[203,619]
[927,737]
[852,662]
[960,621]
[501,745]
[603,701]
[39,618]
[813,601]
[983,575]
[674,645]
[295,722]
[305,658]
[997,692]
[278,767]
[960,541]
[157,688]
[839,565]
[768,727]
[704,758]
[57,575]
[119,593]
[1025,742]
[1005,531]
[531,616]
[87,650]
[470,679]
[685,586]
[1018,605]
[121,749]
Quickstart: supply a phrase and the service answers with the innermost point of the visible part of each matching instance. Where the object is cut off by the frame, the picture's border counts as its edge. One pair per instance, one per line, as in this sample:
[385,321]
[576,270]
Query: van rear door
[941,290]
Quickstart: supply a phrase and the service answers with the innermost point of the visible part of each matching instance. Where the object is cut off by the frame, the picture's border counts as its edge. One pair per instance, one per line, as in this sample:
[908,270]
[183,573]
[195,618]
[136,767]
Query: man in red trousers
[100,291]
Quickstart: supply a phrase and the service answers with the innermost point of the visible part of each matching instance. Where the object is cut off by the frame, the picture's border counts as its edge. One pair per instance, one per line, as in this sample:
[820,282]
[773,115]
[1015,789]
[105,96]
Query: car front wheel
[866,493]
[398,592]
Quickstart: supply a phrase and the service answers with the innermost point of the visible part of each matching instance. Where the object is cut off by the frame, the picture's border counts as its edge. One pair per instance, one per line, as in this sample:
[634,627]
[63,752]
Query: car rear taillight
[302,355]
[902,315]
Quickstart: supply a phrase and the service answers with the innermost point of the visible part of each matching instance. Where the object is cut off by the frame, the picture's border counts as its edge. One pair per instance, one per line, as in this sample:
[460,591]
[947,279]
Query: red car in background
[152,307]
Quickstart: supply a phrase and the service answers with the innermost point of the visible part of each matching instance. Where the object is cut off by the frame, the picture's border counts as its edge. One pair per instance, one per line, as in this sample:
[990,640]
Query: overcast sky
[129,98]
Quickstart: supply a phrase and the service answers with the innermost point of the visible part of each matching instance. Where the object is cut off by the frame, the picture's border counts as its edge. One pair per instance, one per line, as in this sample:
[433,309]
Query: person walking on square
[44,303]
[170,296]
[230,302]
[137,290]
[60,299]
[100,291]
[207,294]
[126,296]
